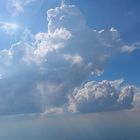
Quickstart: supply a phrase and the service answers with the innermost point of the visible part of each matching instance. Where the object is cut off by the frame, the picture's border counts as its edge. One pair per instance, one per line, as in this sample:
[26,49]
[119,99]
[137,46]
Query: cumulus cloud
[102,96]
[39,76]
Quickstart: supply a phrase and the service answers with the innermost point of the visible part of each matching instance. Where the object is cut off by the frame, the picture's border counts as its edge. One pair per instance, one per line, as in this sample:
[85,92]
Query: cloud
[17,6]
[75,59]
[130,48]
[53,111]
[137,102]
[102,96]
[9,28]
[48,42]
[41,75]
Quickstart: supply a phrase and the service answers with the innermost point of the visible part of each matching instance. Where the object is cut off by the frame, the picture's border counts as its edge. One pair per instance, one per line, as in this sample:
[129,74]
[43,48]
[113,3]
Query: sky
[69,69]
[68,57]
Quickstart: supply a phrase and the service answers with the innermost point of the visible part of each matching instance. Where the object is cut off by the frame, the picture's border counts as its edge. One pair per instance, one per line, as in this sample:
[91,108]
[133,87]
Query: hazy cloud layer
[41,76]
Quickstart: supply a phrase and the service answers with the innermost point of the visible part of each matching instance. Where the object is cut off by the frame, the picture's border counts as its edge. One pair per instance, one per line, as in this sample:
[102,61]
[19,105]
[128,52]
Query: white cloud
[39,76]
[17,6]
[48,42]
[61,33]
[53,111]
[9,28]
[102,96]
[75,59]
[130,48]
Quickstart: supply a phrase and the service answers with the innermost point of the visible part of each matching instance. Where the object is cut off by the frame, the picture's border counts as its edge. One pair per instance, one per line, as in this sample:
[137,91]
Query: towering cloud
[41,76]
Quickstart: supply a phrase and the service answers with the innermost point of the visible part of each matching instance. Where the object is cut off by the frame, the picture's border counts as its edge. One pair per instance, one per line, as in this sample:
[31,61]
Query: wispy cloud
[131,48]
[17,6]
[9,28]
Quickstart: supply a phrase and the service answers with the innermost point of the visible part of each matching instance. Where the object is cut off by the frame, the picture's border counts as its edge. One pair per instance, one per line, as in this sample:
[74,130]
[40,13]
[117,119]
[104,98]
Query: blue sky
[54,55]
[125,16]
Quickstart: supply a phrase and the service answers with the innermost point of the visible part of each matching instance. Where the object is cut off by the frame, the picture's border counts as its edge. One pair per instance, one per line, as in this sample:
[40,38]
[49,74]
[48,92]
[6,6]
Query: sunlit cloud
[102,96]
